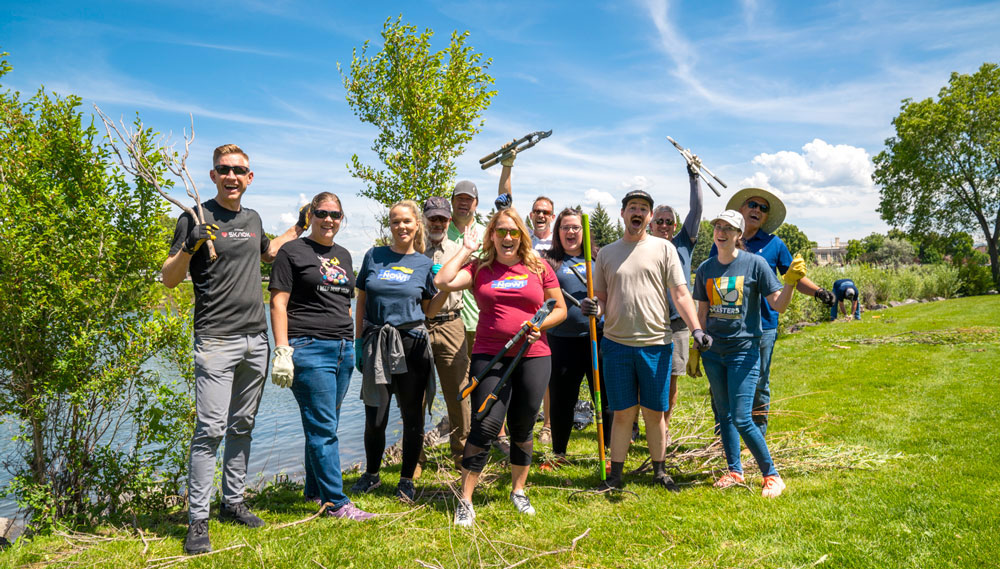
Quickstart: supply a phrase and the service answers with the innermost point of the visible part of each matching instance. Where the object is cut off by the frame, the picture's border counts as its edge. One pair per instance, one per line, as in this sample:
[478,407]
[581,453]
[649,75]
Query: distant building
[836,254]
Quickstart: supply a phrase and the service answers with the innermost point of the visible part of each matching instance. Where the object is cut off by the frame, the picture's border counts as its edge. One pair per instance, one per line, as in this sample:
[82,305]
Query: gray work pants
[229,381]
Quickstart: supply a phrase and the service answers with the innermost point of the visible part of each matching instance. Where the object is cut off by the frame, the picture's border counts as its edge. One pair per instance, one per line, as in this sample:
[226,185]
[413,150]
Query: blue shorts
[637,375]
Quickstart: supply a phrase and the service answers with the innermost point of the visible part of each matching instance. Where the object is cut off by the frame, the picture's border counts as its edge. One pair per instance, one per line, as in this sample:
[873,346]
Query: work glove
[305,218]
[503,202]
[795,272]
[509,160]
[693,169]
[694,362]
[359,354]
[702,341]
[199,234]
[282,368]
[588,306]
[826,297]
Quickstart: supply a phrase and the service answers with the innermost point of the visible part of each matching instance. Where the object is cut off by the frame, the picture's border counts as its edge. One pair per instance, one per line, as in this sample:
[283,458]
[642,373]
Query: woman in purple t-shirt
[510,283]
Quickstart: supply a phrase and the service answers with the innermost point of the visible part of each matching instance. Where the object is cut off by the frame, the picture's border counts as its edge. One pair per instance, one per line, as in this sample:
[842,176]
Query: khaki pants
[452,361]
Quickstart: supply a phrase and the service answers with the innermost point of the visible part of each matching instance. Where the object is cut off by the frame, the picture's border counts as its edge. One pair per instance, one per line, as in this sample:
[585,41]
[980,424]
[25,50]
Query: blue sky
[793,96]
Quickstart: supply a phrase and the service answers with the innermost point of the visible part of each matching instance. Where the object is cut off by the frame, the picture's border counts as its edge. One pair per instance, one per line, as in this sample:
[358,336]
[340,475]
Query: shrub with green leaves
[99,433]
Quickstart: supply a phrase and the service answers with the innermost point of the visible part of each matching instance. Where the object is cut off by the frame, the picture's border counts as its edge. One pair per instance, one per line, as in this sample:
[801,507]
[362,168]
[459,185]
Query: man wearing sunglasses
[764,213]
[665,227]
[230,337]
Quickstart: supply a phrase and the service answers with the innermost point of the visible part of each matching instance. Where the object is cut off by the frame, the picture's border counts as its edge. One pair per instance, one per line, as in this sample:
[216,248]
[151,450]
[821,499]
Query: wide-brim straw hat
[776,213]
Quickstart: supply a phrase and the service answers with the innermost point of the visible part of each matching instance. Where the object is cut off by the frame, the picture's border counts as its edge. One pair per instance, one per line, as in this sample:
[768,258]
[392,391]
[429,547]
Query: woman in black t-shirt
[312,282]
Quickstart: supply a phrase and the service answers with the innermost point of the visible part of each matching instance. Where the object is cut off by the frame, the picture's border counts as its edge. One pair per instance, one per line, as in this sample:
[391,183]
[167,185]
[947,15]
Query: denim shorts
[637,375]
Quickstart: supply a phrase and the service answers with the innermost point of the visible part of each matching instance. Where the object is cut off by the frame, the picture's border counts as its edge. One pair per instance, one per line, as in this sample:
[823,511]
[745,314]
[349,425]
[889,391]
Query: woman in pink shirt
[510,283]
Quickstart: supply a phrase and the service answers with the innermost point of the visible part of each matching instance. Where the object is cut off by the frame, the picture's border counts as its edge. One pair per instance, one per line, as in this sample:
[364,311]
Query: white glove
[282,368]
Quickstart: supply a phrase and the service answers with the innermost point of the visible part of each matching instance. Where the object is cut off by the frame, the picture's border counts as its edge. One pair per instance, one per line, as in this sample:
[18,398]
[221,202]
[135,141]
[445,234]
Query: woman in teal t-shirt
[730,288]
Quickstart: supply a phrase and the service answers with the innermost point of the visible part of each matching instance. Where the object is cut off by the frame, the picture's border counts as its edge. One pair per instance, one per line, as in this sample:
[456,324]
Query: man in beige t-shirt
[631,280]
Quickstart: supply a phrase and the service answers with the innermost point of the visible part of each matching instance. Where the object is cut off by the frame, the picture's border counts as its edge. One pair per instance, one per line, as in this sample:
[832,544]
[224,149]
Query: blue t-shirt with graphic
[682,242]
[576,324]
[734,293]
[394,286]
[778,257]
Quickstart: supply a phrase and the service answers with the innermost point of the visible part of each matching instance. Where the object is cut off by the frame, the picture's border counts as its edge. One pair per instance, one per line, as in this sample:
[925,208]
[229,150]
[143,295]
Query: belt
[446,317]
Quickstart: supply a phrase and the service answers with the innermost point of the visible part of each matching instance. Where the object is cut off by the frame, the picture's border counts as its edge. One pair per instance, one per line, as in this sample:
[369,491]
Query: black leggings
[409,390]
[518,401]
[570,361]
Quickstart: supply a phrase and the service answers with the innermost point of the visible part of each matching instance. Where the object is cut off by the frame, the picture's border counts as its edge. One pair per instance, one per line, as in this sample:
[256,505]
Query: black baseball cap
[437,206]
[637,194]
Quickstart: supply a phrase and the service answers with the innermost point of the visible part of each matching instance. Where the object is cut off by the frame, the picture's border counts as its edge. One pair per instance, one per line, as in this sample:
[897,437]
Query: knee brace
[475,460]
[520,453]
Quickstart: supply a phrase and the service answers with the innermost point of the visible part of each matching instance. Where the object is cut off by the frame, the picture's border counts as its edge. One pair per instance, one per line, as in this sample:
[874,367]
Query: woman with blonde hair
[396,293]
[510,283]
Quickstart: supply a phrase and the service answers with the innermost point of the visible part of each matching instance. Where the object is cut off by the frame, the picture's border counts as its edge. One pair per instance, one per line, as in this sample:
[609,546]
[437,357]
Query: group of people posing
[448,294]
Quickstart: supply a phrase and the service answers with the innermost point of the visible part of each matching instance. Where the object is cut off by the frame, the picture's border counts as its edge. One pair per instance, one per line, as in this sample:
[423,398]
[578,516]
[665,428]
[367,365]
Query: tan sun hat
[776,213]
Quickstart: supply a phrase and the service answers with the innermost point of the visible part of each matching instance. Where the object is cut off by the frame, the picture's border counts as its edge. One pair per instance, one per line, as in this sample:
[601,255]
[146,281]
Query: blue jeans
[322,375]
[762,395]
[733,378]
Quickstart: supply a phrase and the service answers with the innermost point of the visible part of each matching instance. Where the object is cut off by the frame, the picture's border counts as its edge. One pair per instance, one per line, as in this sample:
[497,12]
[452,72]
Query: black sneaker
[665,481]
[197,540]
[238,513]
[366,483]
[405,490]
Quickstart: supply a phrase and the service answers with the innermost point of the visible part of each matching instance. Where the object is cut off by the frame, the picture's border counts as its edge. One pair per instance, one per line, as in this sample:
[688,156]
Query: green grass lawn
[884,430]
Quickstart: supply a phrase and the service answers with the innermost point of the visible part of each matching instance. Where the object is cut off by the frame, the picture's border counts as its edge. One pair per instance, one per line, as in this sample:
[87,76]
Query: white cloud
[821,175]
[592,197]
[288,218]
[636,183]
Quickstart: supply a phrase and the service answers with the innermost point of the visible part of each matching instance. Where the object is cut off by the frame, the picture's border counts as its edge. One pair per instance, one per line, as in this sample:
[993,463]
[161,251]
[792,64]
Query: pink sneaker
[729,479]
[350,512]
[773,485]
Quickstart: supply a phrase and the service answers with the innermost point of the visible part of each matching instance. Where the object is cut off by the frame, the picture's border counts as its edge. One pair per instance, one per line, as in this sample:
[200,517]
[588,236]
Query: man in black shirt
[230,337]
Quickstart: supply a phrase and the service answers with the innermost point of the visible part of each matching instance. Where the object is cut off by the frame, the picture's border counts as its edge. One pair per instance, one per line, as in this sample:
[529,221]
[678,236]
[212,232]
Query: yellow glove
[796,271]
[305,216]
[282,368]
[509,160]
[694,362]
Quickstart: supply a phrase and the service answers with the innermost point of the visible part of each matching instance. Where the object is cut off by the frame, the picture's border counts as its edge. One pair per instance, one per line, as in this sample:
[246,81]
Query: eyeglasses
[663,221]
[325,213]
[223,169]
[764,208]
[503,232]
[541,212]
[571,228]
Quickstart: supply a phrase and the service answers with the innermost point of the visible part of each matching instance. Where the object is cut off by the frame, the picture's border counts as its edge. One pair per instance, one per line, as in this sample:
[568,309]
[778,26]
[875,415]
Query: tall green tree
[941,171]
[99,433]
[797,241]
[703,246]
[425,105]
[601,230]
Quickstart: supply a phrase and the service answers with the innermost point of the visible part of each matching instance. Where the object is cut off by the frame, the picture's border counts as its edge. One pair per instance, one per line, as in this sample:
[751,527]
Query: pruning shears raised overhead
[695,163]
[519,145]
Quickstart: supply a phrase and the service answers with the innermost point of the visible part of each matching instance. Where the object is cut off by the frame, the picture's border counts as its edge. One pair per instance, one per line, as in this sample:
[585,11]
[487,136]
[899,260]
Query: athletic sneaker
[197,540]
[667,482]
[773,486]
[545,436]
[405,490]
[729,479]
[366,483]
[238,513]
[464,514]
[349,512]
[522,503]
[313,500]
[503,443]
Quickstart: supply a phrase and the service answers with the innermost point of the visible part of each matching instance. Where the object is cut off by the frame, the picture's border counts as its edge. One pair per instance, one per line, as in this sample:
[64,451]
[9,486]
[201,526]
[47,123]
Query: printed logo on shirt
[725,296]
[334,277]
[238,234]
[398,274]
[511,281]
[578,267]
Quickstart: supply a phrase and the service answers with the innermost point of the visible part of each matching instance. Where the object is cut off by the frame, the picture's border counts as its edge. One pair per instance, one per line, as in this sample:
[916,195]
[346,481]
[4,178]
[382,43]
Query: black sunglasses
[223,169]
[764,208]
[331,213]
[664,221]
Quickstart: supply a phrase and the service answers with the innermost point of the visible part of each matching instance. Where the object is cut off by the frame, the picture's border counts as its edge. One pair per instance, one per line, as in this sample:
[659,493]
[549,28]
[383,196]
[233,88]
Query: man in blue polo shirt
[764,213]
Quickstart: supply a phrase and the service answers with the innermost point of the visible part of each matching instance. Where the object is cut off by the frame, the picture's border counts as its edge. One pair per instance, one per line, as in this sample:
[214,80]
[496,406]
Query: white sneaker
[522,503]
[464,514]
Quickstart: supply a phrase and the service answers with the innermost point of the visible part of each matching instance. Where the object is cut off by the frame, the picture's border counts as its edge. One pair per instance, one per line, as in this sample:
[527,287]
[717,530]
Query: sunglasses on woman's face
[325,213]
[504,232]
[764,208]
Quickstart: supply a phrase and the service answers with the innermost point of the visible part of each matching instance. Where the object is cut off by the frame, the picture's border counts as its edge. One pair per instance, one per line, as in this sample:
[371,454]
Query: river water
[278,442]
